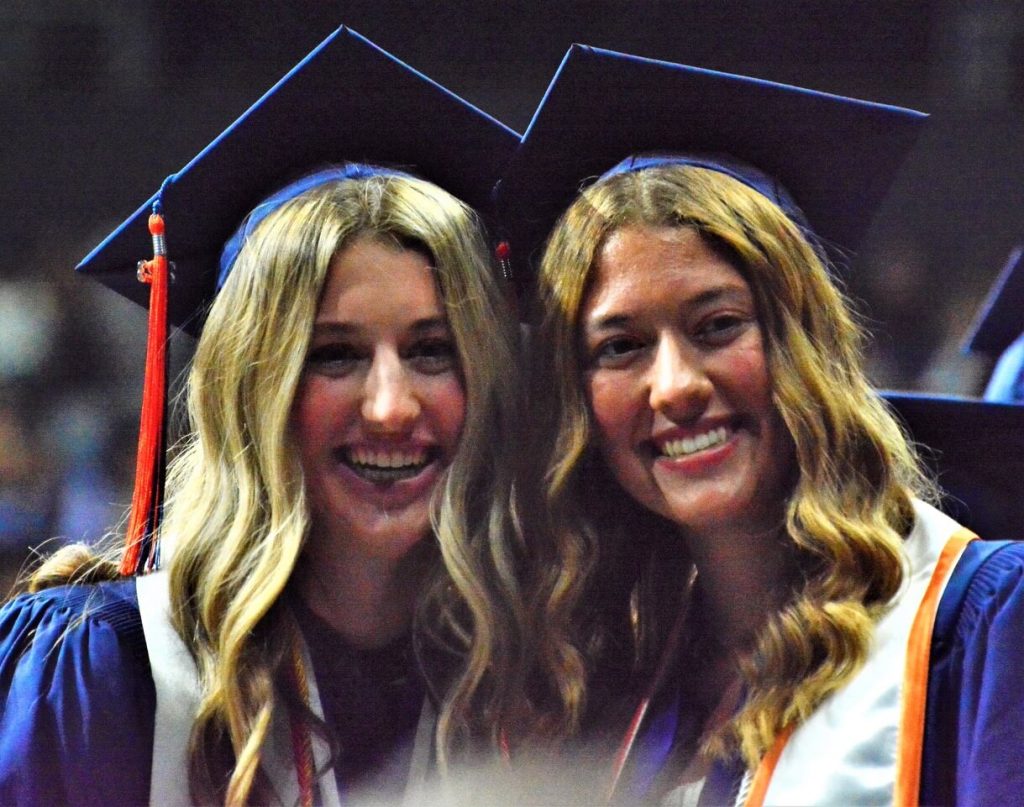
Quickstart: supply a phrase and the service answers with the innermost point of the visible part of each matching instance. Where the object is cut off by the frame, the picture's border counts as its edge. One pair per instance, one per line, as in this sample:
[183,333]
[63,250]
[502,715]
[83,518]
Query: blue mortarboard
[347,101]
[976,449]
[1000,319]
[832,158]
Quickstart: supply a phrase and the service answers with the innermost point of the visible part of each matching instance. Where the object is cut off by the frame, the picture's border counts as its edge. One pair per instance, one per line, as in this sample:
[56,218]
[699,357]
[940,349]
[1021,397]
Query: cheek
[312,412]
[613,406]
[747,369]
[754,381]
[448,406]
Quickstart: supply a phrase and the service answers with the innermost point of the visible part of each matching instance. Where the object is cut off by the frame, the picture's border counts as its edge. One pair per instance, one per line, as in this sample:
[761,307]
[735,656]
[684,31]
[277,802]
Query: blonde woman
[336,614]
[738,571]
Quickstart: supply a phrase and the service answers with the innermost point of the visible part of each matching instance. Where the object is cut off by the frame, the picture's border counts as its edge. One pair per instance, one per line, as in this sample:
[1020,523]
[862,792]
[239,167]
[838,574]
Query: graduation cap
[976,451]
[835,156]
[347,102]
[1000,318]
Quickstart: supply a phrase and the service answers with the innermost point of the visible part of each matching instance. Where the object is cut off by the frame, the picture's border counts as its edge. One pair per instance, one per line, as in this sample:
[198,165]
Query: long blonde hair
[236,510]
[850,506]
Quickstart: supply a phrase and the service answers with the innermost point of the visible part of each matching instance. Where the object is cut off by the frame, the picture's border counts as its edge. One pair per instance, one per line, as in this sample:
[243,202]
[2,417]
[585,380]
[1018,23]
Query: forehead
[371,278]
[640,266]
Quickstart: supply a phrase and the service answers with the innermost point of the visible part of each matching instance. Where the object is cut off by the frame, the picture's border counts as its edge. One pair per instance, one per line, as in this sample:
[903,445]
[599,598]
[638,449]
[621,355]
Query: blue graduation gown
[78,702]
[1007,382]
[76,698]
[974,729]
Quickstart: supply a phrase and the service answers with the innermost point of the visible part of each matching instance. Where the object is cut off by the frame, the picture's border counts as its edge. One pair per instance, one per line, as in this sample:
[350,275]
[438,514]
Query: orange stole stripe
[915,676]
[914,692]
[763,777]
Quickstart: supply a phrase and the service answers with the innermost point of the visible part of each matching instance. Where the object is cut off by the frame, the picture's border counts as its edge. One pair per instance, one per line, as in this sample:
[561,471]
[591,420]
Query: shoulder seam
[988,581]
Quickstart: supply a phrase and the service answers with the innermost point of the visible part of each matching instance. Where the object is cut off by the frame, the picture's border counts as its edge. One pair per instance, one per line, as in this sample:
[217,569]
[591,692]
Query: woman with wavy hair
[736,567]
[336,610]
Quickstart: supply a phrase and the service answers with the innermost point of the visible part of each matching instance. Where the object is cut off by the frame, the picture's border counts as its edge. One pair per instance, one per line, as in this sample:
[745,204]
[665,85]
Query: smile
[386,465]
[691,445]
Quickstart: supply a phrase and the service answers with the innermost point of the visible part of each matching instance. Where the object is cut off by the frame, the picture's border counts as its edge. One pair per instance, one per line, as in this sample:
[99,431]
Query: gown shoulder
[975,724]
[77,700]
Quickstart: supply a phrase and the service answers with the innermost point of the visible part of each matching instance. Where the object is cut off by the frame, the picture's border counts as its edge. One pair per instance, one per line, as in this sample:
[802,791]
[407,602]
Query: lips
[685,446]
[383,465]
[681,444]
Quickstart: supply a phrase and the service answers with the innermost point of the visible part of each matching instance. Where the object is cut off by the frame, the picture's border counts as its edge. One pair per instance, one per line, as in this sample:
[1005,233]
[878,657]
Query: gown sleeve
[975,743]
[77,700]
[1007,382]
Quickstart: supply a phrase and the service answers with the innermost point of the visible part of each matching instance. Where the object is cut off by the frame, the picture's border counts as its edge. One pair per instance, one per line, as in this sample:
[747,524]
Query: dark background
[101,100]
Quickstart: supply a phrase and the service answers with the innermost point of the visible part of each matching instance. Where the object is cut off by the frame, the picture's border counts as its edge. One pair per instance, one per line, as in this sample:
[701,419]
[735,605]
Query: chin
[370,533]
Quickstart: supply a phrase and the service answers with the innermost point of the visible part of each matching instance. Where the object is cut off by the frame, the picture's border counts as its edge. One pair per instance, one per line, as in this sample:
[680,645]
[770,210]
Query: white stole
[177,703]
[845,752]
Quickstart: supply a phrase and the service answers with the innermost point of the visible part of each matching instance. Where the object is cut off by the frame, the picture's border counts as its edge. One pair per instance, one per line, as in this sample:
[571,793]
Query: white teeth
[387,459]
[691,445]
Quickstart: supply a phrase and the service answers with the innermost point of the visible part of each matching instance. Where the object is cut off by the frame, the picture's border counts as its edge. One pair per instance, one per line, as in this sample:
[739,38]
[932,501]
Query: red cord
[302,742]
[629,738]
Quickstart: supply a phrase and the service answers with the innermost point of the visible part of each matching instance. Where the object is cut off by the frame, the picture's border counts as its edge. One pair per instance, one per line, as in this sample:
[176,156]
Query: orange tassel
[140,547]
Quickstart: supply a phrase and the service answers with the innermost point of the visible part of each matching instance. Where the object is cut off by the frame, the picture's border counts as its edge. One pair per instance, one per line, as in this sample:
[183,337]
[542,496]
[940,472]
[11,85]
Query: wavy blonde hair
[848,512]
[236,510]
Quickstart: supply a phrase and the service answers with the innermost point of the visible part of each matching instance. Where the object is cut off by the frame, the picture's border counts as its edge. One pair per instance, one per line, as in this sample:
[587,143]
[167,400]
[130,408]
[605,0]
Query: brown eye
[333,358]
[721,329]
[615,351]
[433,355]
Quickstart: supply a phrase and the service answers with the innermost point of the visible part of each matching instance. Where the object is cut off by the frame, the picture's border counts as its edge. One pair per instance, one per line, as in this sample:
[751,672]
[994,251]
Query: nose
[390,404]
[679,386]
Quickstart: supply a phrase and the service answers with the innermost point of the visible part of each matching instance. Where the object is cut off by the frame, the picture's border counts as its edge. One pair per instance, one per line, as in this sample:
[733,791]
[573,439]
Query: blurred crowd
[71,361]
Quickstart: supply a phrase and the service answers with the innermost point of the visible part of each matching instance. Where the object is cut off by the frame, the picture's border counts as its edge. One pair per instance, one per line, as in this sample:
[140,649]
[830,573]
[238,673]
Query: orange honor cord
[915,678]
[140,554]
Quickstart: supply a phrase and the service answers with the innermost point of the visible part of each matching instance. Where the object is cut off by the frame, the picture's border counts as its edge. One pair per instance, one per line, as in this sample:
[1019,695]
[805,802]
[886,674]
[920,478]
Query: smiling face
[380,407]
[678,383]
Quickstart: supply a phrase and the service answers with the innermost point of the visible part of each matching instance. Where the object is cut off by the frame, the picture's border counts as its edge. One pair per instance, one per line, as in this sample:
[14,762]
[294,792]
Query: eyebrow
[424,325]
[726,291]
